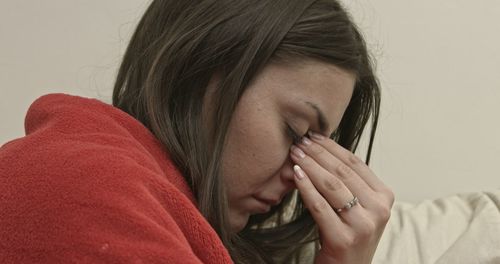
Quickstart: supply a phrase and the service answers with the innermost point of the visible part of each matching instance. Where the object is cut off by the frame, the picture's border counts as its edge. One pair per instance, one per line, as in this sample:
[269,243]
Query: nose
[286,176]
[287,172]
[281,183]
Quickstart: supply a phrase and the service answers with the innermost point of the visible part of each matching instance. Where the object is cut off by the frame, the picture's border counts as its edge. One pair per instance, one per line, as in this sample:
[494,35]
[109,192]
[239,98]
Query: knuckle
[346,242]
[343,170]
[388,195]
[317,150]
[318,207]
[306,160]
[332,184]
[367,230]
[391,197]
[385,214]
[353,159]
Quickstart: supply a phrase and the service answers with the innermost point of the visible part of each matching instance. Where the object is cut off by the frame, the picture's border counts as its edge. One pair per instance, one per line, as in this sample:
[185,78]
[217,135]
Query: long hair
[176,49]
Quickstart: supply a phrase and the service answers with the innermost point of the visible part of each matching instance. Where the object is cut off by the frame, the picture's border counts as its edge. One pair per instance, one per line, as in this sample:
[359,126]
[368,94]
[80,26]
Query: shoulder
[87,180]
[102,195]
[71,138]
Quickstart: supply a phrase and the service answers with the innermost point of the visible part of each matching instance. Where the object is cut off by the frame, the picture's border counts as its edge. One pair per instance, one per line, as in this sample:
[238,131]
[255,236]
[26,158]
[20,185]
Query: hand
[333,176]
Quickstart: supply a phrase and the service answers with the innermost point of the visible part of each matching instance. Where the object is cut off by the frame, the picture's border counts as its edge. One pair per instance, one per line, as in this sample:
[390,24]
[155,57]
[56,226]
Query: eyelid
[295,136]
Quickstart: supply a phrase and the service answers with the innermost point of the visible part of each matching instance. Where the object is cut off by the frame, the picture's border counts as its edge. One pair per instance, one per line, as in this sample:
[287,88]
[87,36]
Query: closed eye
[294,135]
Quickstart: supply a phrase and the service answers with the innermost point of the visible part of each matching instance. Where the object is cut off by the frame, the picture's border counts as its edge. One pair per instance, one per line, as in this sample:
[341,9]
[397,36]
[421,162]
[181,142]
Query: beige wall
[438,63]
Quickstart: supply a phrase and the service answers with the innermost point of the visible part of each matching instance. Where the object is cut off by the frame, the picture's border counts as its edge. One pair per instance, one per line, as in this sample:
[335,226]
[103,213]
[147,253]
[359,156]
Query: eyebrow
[320,117]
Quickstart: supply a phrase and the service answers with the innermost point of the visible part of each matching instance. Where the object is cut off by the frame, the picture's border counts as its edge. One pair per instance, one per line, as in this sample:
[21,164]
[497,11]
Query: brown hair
[176,49]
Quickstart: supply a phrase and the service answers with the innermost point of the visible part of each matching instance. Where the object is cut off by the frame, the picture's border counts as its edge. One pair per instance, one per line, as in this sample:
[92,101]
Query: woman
[245,117]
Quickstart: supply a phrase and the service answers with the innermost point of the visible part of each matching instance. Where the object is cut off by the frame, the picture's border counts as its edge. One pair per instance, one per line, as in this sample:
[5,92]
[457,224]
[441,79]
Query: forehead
[312,82]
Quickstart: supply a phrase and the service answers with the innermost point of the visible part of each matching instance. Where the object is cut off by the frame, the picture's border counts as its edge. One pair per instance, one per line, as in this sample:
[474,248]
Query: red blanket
[90,184]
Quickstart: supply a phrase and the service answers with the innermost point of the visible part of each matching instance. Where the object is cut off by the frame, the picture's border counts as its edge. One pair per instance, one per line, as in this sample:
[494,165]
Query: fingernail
[316,135]
[306,141]
[297,151]
[299,173]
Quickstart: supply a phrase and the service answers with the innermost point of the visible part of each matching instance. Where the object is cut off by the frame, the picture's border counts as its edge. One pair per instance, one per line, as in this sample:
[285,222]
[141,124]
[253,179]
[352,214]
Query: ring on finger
[348,205]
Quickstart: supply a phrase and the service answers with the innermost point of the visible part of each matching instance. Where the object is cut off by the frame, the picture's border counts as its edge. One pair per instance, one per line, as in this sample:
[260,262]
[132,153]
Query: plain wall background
[438,63]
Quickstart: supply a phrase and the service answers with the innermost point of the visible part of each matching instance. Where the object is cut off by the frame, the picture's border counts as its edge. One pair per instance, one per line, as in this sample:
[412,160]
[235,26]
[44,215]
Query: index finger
[351,160]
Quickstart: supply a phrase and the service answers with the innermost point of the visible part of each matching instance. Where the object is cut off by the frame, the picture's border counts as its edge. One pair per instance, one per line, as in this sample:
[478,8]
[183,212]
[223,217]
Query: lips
[261,206]
[271,202]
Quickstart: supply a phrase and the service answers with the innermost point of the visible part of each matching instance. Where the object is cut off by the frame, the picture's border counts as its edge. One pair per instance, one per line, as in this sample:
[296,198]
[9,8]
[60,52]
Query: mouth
[269,201]
[261,206]
[265,204]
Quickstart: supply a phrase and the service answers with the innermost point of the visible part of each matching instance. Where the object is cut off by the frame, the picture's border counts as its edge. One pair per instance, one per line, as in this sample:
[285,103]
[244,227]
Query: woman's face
[257,168]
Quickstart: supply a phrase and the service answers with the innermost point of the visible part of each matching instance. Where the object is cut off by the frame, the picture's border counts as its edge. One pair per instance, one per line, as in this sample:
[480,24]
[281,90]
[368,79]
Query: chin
[238,221]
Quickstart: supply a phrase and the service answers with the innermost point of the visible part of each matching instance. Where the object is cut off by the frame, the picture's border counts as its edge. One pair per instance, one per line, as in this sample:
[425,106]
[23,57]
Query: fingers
[318,206]
[353,221]
[352,171]
[334,166]
[329,176]
[327,187]
[331,187]
[351,160]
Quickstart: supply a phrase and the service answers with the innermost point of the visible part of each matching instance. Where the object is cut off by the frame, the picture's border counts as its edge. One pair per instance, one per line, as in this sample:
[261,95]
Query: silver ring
[348,205]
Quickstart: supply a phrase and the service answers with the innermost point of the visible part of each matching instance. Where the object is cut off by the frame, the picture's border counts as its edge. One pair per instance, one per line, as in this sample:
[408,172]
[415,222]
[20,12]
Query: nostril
[287,172]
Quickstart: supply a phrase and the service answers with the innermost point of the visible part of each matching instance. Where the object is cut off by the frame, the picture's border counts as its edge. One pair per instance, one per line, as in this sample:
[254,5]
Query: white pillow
[463,228]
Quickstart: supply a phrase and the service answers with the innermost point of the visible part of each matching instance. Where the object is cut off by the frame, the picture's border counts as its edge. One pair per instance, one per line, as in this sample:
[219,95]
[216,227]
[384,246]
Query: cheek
[252,157]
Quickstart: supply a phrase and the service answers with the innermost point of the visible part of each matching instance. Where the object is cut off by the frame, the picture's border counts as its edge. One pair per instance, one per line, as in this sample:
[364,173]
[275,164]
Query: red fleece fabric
[90,184]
